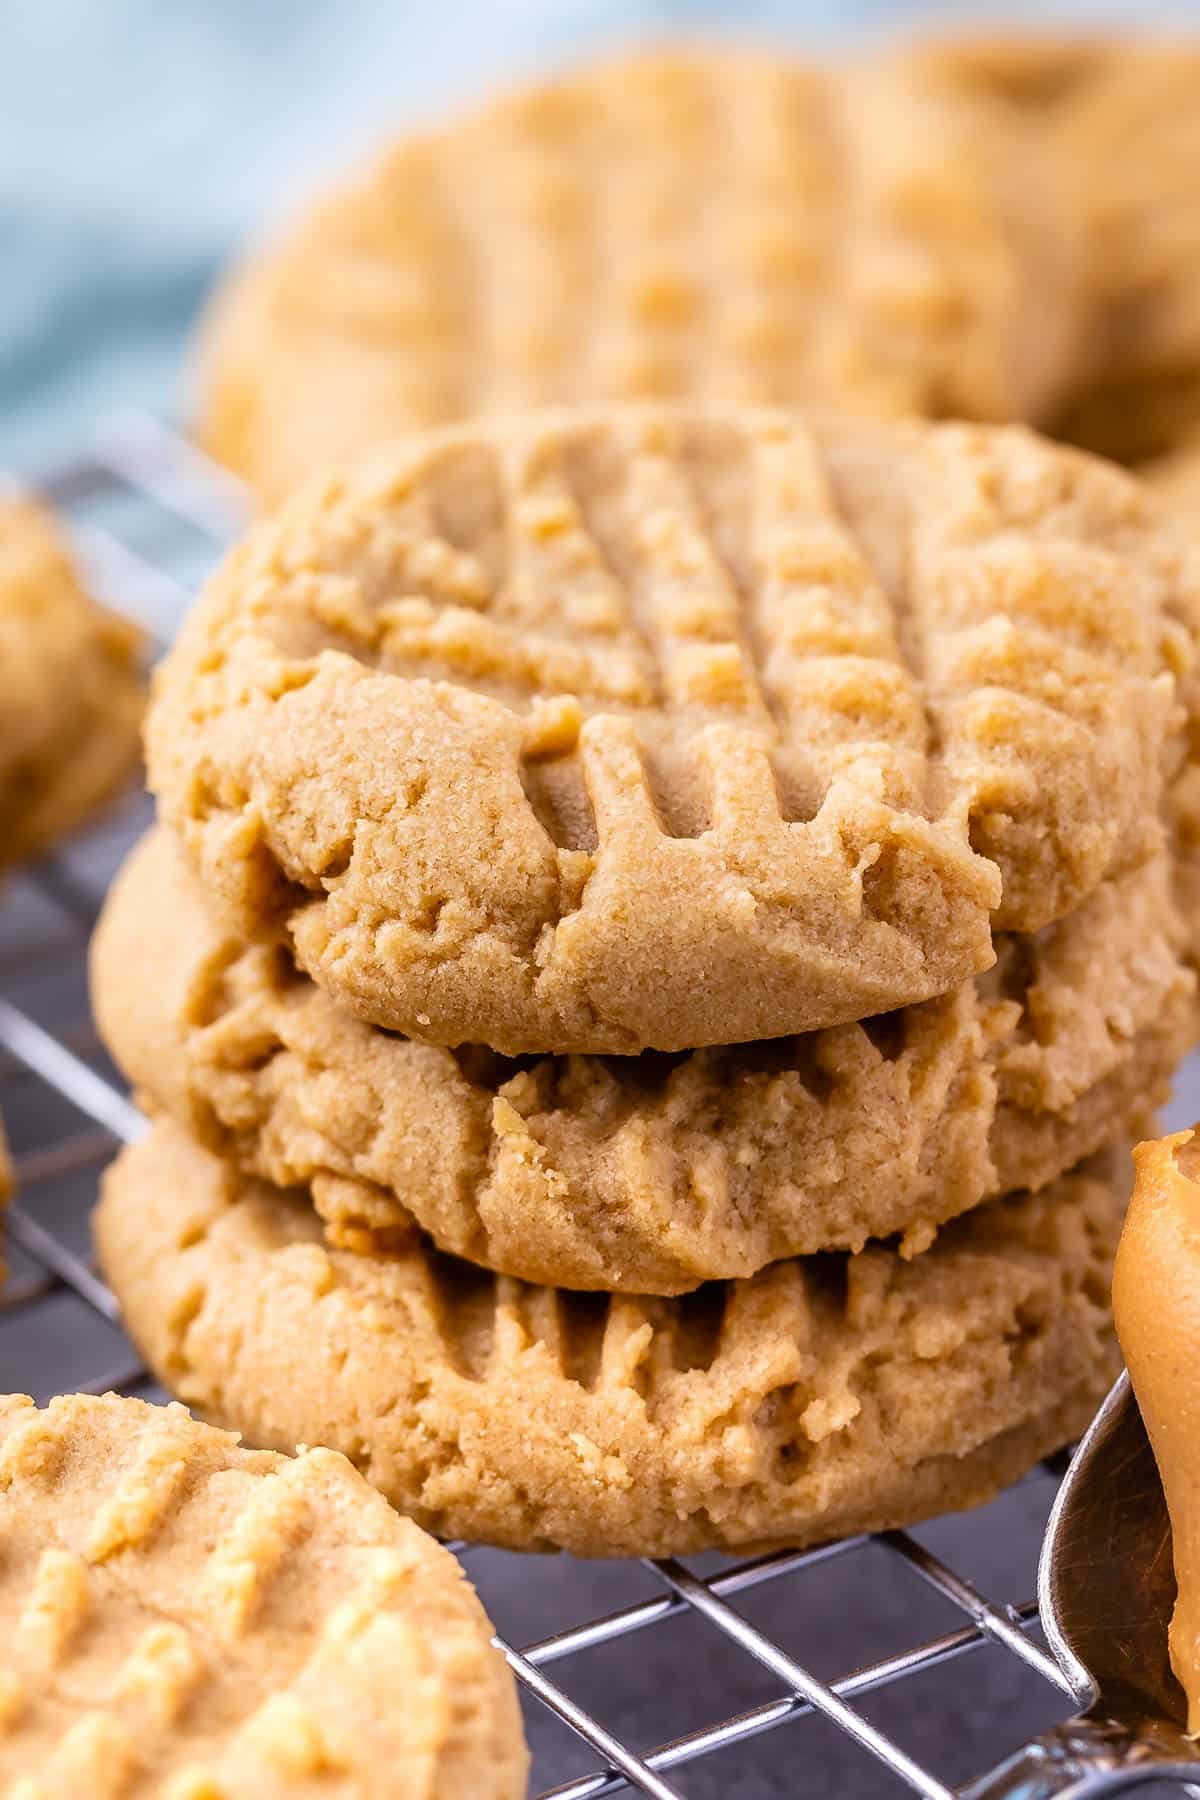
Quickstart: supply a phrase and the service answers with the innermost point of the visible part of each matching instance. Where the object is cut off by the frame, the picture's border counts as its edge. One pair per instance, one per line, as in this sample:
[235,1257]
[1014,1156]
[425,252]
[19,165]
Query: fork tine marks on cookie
[285,1589]
[581,1631]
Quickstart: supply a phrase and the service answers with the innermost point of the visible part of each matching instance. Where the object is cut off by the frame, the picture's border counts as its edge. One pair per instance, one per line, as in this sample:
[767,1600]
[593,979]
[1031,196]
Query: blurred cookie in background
[1120,129]
[680,223]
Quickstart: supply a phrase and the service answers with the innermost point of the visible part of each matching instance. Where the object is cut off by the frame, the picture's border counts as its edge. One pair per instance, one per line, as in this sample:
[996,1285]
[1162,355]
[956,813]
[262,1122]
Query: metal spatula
[1106,1588]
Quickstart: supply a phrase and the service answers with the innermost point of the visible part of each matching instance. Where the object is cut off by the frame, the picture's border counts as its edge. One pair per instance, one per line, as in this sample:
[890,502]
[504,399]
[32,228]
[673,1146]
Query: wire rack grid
[148,514]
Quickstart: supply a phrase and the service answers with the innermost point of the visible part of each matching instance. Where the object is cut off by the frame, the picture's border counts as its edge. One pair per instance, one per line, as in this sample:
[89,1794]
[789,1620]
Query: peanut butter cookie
[824,1395]
[674,224]
[633,729]
[648,1174]
[184,1618]
[70,692]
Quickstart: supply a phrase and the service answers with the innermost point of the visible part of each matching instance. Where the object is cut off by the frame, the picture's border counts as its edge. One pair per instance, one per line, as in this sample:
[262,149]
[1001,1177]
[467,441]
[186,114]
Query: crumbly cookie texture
[650,1174]
[71,694]
[189,1619]
[824,1395]
[636,729]
[1132,141]
[683,224]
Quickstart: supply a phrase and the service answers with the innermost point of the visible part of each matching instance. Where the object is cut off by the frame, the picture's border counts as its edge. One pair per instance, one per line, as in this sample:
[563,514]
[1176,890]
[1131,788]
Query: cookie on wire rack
[71,693]
[637,729]
[676,224]
[825,1395]
[648,1174]
[186,1618]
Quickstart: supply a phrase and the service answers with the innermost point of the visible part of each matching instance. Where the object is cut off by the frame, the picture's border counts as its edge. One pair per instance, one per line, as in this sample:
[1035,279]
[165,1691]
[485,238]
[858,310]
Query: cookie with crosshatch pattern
[824,1395]
[716,224]
[648,1174]
[636,728]
[71,695]
[186,1618]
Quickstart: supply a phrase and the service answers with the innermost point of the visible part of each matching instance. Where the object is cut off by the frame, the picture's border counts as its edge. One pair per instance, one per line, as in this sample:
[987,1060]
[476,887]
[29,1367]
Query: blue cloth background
[140,141]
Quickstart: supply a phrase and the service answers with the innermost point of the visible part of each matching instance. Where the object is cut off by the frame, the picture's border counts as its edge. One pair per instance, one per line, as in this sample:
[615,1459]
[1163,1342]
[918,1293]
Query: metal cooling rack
[148,515]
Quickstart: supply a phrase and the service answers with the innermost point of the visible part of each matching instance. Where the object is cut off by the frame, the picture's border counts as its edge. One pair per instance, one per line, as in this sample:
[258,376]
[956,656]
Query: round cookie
[189,1619]
[651,1174]
[1132,140]
[824,1395]
[681,224]
[70,692]
[636,729]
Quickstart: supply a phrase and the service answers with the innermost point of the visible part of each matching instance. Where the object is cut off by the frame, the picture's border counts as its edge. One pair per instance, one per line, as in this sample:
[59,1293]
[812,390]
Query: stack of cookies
[661,927]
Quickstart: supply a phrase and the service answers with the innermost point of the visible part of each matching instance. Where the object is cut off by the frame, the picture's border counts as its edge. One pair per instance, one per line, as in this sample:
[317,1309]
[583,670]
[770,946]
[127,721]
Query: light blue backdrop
[140,139]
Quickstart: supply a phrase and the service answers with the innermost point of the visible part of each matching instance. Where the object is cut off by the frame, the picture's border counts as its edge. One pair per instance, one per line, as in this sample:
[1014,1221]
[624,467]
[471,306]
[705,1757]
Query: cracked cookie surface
[716,225]
[189,1619]
[71,696]
[650,1174]
[636,729]
[825,1395]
